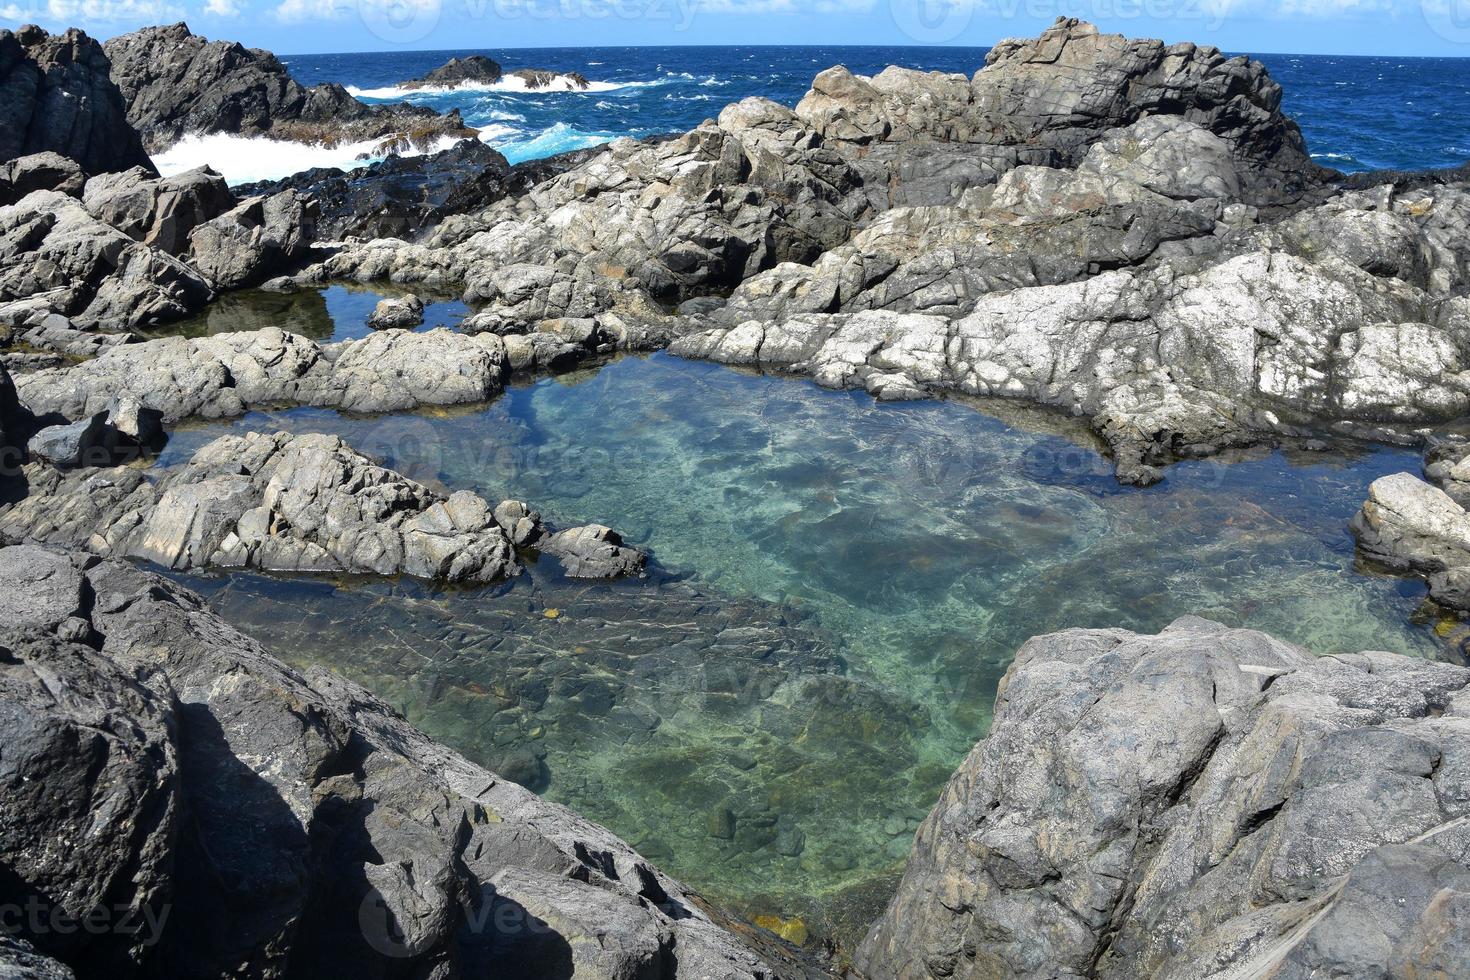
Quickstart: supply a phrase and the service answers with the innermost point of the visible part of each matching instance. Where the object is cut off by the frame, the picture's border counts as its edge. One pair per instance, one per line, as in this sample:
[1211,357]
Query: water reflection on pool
[859,575]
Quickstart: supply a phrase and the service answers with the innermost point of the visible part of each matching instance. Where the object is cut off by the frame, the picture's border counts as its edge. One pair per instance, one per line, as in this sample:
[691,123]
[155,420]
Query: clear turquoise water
[842,584]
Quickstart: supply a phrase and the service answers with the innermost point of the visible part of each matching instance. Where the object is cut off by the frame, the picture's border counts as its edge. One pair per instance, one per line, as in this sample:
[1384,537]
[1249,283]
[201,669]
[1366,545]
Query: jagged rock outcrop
[475,68]
[284,503]
[535,79]
[131,249]
[56,95]
[1045,100]
[260,818]
[225,375]
[54,252]
[1206,802]
[176,83]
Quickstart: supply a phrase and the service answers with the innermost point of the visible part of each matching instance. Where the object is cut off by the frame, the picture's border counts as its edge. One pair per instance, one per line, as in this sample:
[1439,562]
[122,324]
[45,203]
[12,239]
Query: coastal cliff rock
[1045,100]
[57,95]
[176,83]
[262,819]
[1206,802]
[306,503]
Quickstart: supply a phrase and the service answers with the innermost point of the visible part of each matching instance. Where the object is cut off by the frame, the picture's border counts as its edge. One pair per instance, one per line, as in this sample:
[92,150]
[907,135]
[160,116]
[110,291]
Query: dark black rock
[44,171]
[175,82]
[457,71]
[401,196]
[81,443]
[56,94]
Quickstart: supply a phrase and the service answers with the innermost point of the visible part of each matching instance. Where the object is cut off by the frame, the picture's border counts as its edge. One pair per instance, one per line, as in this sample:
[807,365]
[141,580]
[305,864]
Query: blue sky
[1398,27]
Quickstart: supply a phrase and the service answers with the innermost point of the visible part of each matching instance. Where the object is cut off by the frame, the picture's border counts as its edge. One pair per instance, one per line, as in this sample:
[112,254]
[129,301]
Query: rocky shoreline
[1128,231]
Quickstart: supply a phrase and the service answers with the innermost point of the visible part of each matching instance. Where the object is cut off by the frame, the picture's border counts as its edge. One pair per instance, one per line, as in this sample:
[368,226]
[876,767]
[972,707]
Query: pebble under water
[840,584]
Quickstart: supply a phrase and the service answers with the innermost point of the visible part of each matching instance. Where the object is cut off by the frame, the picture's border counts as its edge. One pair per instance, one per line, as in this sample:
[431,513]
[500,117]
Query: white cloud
[144,11]
[222,8]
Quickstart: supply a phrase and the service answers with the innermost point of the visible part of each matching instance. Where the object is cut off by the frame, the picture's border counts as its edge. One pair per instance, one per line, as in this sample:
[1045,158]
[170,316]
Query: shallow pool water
[326,314]
[842,584]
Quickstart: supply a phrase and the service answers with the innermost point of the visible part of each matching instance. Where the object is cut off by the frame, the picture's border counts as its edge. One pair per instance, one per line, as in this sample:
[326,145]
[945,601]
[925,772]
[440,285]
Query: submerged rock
[1198,803]
[176,83]
[238,790]
[56,95]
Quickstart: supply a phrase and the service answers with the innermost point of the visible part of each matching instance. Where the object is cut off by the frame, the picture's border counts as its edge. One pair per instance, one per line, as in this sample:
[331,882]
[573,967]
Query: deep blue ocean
[1358,113]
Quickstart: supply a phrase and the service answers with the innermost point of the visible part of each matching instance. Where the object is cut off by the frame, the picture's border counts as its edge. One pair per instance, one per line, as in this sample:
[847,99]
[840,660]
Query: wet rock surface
[229,775]
[1201,802]
[57,95]
[176,83]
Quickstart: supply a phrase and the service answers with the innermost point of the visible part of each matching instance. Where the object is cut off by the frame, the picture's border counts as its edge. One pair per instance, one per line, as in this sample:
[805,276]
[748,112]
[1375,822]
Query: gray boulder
[403,313]
[78,444]
[160,211]
[1206,802]
[57,94]
[323,833]
[254,241]
[593,551]
[1414,528]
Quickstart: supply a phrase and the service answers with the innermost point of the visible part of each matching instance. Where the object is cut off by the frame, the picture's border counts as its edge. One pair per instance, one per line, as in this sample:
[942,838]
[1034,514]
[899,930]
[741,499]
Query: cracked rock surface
[1206,802]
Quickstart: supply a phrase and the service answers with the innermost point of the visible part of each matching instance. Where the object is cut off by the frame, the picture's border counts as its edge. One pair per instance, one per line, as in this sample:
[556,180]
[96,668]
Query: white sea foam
[510,83]
[242,159]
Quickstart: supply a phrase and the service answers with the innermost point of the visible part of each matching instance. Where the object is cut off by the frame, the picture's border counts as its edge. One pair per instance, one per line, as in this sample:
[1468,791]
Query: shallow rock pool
[841,584]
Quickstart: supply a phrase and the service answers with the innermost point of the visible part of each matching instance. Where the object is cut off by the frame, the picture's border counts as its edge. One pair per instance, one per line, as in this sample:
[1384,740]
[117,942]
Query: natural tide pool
[326,314]
[841,584]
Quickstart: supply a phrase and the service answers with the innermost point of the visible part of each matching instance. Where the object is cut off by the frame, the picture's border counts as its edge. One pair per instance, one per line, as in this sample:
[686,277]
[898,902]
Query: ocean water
[838,586]
[1357,113]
